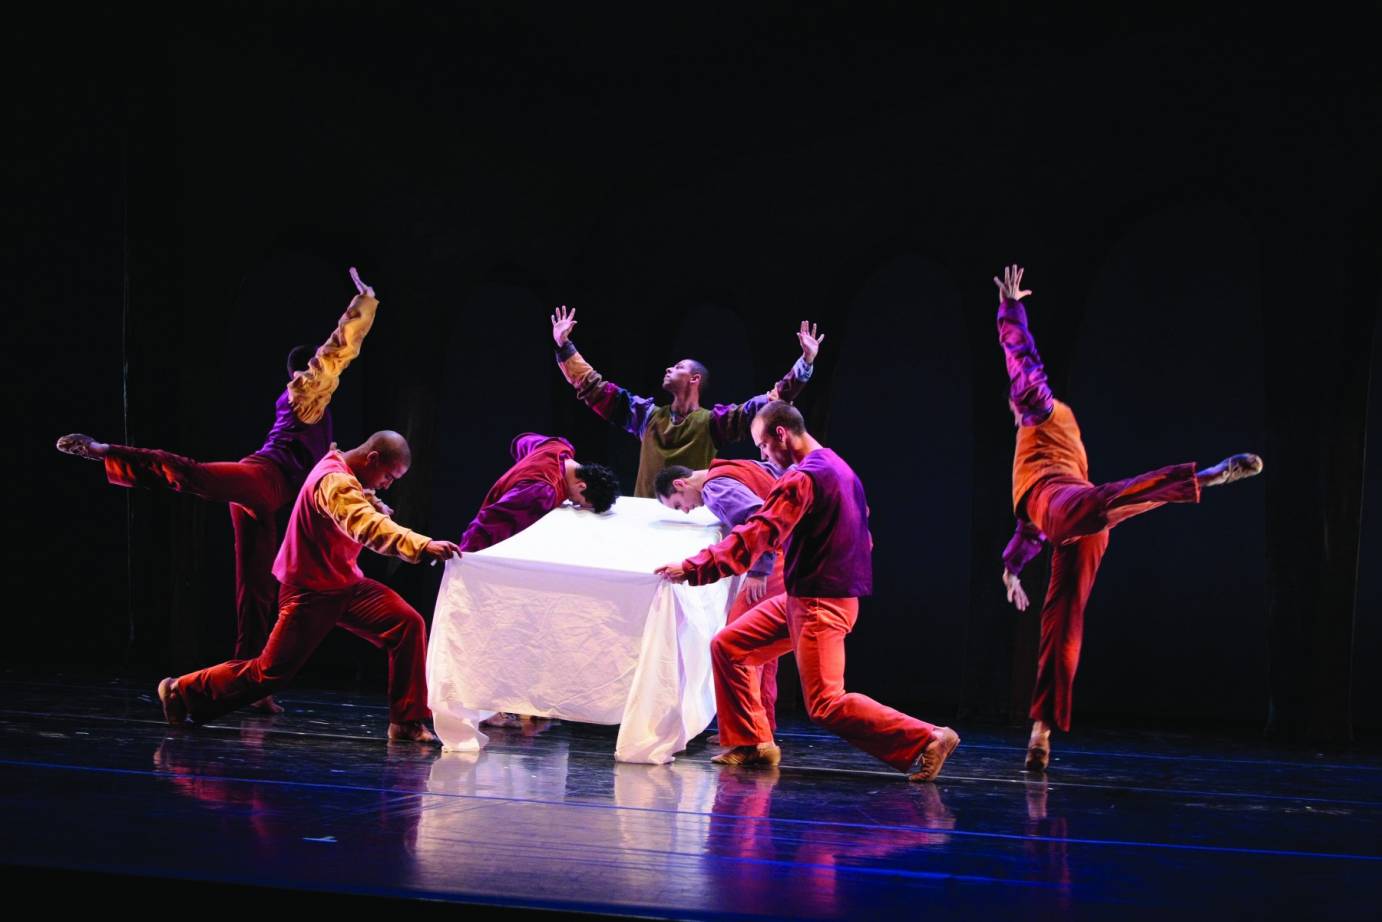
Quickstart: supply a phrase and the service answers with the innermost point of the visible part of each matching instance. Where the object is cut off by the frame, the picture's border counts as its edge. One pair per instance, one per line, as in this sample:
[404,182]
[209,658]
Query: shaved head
[392,447]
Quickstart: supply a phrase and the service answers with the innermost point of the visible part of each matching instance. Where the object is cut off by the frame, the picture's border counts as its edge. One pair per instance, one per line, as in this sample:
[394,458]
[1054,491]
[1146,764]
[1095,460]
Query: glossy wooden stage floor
[1125,825]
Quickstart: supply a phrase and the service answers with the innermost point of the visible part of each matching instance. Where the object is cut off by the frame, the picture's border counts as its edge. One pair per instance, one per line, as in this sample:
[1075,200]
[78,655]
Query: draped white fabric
[566,619]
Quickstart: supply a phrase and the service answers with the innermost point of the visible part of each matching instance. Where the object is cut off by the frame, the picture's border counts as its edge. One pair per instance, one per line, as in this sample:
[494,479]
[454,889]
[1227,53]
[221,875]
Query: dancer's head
[687,378]
[381,459]
[675,489]
[592,486]
[299,358]
[776,430]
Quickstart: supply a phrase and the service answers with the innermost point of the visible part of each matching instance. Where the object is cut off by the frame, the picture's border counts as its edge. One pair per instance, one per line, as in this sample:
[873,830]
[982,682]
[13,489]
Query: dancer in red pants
[1055,501]
[258,486]
[733,491]
[322,587]
[818,514]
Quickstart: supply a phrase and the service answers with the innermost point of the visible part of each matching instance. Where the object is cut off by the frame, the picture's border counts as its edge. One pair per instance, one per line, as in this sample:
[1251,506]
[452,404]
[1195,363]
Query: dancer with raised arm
[1056,502]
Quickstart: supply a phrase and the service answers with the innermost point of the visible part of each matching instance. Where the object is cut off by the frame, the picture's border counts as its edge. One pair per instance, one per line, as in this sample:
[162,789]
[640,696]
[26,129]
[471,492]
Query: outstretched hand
[810,342]
[1010,288]
[563,322]
[360,286]
[1016,594]
[441,550]
[672,572]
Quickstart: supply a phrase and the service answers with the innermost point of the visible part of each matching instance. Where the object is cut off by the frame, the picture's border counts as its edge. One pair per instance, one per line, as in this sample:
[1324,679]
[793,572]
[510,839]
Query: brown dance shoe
[1232,468]
[83,446]
[414,731]
[174,708]
[504,719]
[928,764]
[762,754]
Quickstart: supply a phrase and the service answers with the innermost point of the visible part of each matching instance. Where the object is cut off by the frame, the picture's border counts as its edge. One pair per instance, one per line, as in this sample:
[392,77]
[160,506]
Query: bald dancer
[335,515]
[1055,502]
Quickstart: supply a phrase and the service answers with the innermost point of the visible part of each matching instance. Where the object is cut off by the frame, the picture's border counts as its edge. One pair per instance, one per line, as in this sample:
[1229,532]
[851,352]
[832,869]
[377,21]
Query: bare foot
[762,754]
[414,731]
[174,708]
[1039,748]
[83,446]
[267,705]
[1235,467]
[928,764]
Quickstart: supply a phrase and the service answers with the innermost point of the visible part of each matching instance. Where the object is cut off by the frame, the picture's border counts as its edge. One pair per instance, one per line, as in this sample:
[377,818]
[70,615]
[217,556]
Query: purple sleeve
[1026,542]
[508,515]
[523,445]
[732,503]
[612,403]
[1027,387]
[729,422]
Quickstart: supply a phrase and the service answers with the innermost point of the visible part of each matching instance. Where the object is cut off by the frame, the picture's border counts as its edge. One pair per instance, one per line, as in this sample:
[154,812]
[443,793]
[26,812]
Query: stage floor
[1125,825]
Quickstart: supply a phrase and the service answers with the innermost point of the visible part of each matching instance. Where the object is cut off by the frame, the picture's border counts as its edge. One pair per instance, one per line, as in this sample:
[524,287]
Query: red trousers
[256,488]
[1075,516]
[813,629]
[367,609]
[767,673]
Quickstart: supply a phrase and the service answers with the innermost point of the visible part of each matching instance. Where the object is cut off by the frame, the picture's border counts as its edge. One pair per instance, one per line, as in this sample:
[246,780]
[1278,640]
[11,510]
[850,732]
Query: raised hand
[360,286]
[563,322]
[672,572]
[1016,594]
[1010,288]
[810,342]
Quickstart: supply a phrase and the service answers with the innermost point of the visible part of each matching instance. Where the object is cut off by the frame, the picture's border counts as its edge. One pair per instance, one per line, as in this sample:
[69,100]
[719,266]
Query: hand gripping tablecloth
[566,619]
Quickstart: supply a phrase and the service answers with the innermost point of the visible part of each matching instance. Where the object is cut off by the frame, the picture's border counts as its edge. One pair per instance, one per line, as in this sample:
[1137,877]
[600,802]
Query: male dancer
[819,512]
[256,487]
[684,432]
[545,474]
[322,587]
[1055,501]
[733,491]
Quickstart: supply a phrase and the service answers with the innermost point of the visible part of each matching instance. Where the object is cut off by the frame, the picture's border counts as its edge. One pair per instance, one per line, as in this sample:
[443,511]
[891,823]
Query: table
[566,620]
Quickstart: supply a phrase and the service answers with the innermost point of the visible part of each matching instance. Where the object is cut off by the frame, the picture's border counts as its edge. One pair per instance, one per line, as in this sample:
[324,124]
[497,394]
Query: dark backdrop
[1196,200]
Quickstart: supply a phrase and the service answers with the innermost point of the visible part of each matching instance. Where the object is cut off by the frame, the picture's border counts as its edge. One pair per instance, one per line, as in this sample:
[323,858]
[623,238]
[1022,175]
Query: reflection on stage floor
[1125,824]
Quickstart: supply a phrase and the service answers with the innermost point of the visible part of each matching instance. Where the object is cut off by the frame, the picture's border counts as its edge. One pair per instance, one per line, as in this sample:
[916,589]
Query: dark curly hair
[601,485]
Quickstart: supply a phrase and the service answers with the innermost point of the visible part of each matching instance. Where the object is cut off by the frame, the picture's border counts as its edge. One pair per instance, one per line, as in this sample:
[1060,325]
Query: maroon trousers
[256,488]
[367,609]
[1075,515]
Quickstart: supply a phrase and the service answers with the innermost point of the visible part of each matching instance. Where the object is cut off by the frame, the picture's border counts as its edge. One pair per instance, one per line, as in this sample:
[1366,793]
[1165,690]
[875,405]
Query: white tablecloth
[566,619]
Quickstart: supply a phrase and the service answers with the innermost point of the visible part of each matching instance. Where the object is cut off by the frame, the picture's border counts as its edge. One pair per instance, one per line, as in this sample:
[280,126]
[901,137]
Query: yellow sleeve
[344,500]
[579,374]
[310,391]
